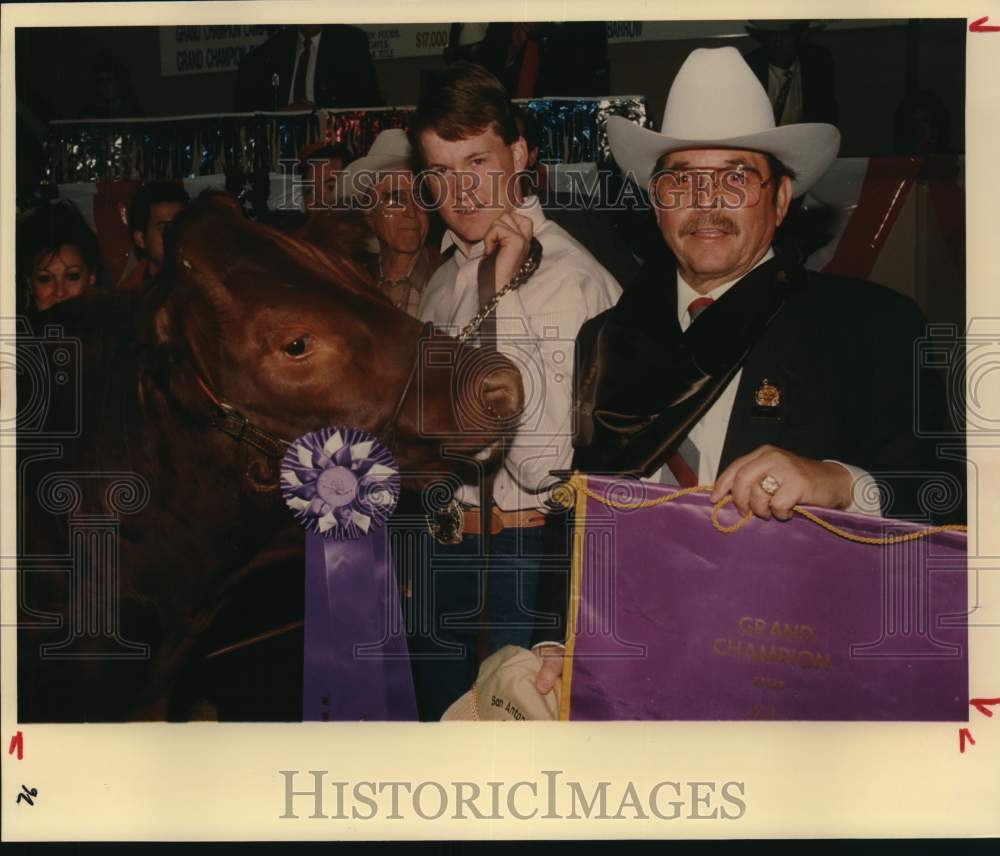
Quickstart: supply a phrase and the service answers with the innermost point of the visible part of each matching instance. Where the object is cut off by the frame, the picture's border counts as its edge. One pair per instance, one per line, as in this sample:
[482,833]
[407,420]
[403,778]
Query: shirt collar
[530,208]
[302,40]
[781,72]
[685,293]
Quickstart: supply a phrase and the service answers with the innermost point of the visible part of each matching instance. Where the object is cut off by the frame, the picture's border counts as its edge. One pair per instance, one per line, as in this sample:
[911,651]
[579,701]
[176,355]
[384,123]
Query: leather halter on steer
[230,421]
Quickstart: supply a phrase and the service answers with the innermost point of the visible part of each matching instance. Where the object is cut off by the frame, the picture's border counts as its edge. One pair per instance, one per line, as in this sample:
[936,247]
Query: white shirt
[776,75]
[709,433]
[536,327]
[310,69]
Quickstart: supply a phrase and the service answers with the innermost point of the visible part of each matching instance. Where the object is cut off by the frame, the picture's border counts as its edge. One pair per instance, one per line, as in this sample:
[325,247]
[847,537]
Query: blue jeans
[445,627]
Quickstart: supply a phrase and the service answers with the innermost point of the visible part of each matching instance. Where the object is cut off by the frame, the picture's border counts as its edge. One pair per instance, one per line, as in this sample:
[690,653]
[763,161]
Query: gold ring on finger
[769,484]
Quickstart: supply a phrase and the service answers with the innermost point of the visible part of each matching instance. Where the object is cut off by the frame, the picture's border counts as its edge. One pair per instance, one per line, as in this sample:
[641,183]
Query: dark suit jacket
[573,58]
[844,353]
[345,76]
[596,232]
[819,100]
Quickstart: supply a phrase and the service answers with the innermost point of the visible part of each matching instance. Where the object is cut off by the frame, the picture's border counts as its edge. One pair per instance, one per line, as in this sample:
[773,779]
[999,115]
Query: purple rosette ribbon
[342,485]
[340,482]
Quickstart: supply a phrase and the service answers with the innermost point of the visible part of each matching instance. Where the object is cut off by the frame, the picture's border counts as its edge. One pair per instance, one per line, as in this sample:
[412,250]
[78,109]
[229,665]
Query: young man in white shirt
[466,139]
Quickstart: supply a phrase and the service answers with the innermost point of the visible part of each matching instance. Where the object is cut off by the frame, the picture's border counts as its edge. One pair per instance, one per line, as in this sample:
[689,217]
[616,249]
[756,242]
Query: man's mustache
[711,220]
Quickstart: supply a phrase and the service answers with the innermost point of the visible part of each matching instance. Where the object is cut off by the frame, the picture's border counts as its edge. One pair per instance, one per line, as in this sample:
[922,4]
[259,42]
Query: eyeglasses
[707,187]
[397,203]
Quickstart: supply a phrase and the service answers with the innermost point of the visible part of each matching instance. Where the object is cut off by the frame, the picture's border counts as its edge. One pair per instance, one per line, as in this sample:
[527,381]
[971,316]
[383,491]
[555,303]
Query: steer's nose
[503,393]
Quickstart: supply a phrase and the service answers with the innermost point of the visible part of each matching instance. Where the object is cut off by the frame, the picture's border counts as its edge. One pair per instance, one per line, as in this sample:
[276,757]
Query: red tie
[699,305]
[686,477]
[299,89]
[684,467]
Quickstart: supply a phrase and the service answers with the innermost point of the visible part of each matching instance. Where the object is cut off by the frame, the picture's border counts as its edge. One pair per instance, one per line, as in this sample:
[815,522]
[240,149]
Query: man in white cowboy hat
[382,185]
[729,364]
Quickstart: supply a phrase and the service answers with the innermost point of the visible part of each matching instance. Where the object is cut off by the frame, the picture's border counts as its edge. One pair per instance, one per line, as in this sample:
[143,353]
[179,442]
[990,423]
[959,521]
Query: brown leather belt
[472,519]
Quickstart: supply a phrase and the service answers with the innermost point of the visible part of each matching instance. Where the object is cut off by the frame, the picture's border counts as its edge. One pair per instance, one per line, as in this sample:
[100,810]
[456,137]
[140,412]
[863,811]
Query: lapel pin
[767,395]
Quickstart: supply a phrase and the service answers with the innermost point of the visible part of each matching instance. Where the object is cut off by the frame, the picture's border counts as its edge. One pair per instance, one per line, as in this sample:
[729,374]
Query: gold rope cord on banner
[580,484]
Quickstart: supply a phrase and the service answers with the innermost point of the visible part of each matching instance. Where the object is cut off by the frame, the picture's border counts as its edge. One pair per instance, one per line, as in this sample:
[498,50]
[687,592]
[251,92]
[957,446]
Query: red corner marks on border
[981,26]
[983,705]
[17,744]
[963,735]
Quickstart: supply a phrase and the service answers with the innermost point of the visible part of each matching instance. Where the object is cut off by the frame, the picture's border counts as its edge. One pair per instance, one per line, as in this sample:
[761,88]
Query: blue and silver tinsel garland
[252,144]
[340,483]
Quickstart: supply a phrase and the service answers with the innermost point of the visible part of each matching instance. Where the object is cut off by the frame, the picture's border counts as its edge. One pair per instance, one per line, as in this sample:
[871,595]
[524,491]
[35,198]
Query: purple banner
[356,663]
[675,620]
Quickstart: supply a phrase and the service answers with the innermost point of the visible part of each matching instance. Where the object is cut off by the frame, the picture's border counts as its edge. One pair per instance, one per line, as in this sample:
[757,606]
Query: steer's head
[297,340]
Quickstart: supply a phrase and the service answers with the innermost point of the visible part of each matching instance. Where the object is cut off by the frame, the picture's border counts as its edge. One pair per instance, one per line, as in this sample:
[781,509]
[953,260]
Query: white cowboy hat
[391,150]
[716,102]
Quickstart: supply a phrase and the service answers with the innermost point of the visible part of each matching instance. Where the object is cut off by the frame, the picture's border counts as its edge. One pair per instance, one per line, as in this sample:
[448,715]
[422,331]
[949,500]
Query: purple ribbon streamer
[356,664]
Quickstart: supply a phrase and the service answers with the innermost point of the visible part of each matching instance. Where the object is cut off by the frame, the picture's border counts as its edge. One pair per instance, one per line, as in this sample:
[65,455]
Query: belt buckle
[447,524]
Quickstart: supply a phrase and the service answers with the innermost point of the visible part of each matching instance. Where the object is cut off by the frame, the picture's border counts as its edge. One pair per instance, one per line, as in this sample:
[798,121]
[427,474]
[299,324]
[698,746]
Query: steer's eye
[297,347]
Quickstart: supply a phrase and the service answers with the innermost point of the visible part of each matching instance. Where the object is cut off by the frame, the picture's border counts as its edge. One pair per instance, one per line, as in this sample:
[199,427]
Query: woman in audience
[57,255]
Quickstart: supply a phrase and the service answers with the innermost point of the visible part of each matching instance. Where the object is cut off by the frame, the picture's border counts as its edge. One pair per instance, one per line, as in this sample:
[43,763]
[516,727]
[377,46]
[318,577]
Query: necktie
[299,89]
[697,306]
[682,465]
[779,103]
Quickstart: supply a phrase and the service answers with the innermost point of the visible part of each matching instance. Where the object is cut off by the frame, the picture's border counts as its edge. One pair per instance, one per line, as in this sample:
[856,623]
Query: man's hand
[552,666]
[510,235]
[801,481]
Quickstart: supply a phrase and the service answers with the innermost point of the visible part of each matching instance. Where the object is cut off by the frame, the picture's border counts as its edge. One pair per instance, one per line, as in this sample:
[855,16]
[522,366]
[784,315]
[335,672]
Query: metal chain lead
[521,276]
[447,524]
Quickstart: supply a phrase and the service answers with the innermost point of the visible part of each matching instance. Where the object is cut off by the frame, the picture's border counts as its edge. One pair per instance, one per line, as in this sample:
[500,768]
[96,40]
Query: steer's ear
[209,285]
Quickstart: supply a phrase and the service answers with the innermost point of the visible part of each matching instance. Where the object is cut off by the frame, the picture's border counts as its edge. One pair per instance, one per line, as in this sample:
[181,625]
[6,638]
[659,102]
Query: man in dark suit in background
[729,364]
[310,65]
[798,76]
[542,60]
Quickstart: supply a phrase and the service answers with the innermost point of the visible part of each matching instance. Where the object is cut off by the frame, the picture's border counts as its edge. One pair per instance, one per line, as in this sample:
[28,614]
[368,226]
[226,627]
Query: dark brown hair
[149,194]
[43,230]
[462,101]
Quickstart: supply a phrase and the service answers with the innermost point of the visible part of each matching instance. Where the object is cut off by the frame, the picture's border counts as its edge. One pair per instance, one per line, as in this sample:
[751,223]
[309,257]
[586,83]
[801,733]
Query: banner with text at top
[207,49]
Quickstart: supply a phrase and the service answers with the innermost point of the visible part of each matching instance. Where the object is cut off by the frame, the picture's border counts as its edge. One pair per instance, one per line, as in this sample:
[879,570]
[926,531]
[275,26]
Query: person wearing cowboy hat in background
[383,181]
[729,364]
[798,76]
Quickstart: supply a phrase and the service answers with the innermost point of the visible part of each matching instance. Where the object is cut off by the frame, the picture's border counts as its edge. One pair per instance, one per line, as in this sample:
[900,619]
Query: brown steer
[133,536]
